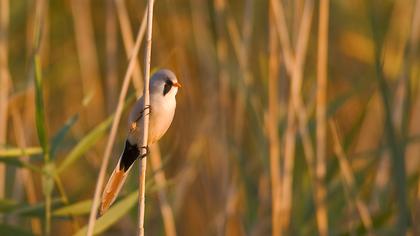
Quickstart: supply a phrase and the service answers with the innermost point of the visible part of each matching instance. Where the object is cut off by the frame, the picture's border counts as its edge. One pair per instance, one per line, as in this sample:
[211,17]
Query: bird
[163,88]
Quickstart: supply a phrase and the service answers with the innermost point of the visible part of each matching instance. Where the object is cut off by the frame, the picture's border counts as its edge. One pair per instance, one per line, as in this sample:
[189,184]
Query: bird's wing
[137,111]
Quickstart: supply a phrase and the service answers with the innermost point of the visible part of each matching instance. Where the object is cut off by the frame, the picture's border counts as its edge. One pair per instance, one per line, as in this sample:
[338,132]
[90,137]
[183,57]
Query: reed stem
[321,119]
[111,139]
[145,124]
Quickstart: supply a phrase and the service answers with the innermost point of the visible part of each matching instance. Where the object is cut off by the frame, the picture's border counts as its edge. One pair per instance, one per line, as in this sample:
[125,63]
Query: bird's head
[164,82]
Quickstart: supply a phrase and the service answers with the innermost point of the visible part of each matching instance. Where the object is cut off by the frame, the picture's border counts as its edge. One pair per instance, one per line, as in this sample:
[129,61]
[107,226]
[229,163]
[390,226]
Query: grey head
[164,82]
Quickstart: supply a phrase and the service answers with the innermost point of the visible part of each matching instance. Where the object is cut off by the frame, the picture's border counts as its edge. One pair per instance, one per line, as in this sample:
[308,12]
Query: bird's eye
[167,87]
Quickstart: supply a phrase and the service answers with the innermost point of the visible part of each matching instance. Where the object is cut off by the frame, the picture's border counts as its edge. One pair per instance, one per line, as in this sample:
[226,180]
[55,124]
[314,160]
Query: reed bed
[295,117]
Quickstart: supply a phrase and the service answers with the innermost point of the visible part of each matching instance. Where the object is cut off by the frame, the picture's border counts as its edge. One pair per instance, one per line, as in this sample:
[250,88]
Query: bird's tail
[112,188]
[118,176]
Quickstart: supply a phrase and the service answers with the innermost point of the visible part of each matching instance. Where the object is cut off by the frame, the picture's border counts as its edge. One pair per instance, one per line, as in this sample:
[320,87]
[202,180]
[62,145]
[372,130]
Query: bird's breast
[161,117]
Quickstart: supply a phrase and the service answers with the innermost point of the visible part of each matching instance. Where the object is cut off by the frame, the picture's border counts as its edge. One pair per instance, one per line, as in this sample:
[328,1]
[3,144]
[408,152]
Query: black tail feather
[130,154]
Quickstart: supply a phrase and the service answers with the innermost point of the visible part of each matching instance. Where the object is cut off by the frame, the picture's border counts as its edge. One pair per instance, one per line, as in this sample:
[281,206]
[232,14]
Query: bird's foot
[147,152]
[148,107]
[133,124]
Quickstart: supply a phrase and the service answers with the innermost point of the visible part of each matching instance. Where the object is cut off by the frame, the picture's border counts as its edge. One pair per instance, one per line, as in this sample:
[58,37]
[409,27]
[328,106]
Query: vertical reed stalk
[240,43]
[295,69]
[396,148]
[47,182]
[416,213]
[165,208]
[321,118]
[286,176]
[415,27]
[295,108]
[280,20]
[223,95]
[286,181]
[222,58]
[4,85]
[302,116]
[111,139]
[202,36]
[128,42]
[247,26]
[26,175]
[414,41]
[111,55]
[272,126]
[180,56]
[145,124]
[88,61]
[349,180]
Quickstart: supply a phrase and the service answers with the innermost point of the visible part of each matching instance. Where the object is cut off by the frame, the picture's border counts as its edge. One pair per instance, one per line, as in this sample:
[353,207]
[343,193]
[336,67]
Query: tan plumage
[112,188]
[163,88]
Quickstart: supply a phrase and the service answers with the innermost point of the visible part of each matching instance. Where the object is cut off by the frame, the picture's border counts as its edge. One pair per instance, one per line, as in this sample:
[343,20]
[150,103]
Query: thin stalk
[272,126]
[222,58]
[296,109]
[240,38]
[111,139]
[145,124]
[201,34]
[48,214]
[111,55]
[401,96]
[88,60]
[181,57]
[128,41]
[349,180]
[160,179]
[40,116]
[241,42]
[321,118]
[247,27]
[295,69]
[280,20]
[287,175]
[392,138]
[17,152]
[47,185]
[415,27]
[26,175]
[414,39]
[4,84]
[241,52]
[223,88]
[65,199]
[45,150]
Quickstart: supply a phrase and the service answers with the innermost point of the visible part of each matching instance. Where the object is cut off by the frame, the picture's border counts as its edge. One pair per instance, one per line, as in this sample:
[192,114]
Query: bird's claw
[147,152]
[142,112]
[133,124]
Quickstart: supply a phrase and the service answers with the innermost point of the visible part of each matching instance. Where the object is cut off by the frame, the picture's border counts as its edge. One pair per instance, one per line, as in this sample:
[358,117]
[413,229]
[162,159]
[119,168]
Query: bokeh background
[261,143]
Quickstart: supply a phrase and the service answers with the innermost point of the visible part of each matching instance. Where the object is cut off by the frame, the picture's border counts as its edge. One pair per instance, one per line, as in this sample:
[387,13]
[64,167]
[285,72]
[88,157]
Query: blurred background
[295,117]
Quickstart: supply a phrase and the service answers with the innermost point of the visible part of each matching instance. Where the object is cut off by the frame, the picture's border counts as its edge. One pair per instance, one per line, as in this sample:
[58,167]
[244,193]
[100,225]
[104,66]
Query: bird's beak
[178,85]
